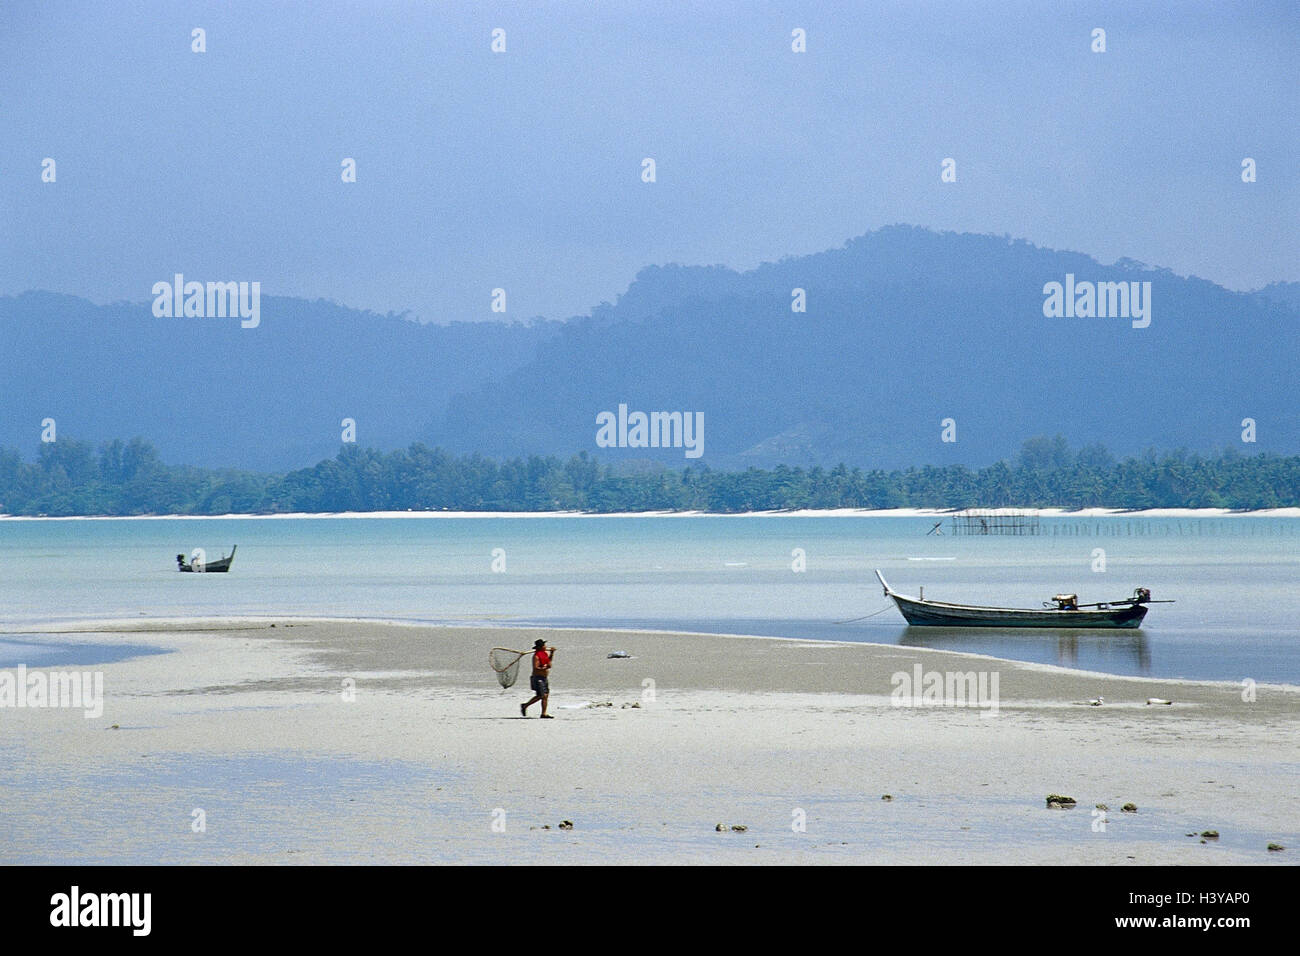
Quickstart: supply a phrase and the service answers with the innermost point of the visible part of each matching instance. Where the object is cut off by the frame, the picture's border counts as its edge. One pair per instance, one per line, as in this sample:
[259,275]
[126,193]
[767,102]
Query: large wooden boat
[1063,611]
[207,567]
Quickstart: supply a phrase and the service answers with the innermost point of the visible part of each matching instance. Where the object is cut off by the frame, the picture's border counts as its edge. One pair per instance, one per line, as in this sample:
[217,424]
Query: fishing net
[506,664]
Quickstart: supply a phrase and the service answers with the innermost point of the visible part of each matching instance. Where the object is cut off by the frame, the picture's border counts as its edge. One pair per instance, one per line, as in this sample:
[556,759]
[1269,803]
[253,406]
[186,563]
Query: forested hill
[858,354]
[126,478]
[210,392]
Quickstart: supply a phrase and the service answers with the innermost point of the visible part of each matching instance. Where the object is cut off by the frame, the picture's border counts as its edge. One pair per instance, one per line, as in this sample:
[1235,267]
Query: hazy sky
[522,169]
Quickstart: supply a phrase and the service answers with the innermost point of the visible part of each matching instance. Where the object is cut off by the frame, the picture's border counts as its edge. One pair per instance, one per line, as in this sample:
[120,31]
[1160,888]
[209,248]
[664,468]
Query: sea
[1233,579]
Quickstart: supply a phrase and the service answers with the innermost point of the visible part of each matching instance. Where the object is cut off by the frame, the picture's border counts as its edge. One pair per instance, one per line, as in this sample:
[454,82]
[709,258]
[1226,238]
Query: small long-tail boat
[1063,610]
[207,567]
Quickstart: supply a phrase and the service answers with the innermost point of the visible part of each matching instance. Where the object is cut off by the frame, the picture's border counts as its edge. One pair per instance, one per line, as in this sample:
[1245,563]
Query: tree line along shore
[123,478]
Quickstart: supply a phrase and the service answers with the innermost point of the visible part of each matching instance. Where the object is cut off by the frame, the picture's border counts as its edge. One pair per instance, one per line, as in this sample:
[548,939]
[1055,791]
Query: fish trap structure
[995,521]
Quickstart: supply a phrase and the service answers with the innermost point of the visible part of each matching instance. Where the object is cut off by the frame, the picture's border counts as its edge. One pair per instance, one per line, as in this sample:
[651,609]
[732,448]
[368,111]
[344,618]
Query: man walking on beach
[542,657]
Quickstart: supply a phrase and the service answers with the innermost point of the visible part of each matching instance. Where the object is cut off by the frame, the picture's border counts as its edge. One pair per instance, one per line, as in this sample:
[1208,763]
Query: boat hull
[216,567]
[937,614]
[220,566]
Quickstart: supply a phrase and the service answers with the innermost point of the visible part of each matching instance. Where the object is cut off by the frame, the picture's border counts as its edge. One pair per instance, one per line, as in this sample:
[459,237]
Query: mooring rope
[854,620]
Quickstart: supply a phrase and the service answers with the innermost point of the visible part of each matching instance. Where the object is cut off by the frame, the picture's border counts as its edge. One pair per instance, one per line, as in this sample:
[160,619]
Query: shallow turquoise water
[1235,579]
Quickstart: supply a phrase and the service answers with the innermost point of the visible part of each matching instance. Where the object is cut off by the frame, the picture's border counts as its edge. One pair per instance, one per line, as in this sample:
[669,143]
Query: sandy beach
[356,742]
[791,513]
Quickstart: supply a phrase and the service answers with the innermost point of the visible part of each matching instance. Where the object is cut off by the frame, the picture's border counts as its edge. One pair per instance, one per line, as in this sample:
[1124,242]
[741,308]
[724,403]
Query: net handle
[508,650]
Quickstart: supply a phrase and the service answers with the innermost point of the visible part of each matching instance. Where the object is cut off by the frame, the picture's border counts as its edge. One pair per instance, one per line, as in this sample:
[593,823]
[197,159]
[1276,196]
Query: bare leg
[523,708]
[544,702]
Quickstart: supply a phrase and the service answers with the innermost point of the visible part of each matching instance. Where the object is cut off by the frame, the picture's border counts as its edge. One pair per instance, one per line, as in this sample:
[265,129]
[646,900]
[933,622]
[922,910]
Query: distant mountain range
[207,392]
[903,328]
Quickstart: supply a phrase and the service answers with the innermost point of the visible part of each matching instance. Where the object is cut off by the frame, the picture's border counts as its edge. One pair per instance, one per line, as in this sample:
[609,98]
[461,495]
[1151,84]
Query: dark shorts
[540,686]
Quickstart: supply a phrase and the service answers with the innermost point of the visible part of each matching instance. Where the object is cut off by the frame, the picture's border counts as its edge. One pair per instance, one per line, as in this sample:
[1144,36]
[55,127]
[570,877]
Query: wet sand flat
[349,742]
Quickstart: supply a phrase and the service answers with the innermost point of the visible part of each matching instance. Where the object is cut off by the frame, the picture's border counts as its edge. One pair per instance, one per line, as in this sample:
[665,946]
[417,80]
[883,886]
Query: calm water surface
[1234,579]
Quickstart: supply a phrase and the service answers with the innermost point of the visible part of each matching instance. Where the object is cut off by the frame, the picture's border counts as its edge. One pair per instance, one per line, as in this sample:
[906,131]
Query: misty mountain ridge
[904,330]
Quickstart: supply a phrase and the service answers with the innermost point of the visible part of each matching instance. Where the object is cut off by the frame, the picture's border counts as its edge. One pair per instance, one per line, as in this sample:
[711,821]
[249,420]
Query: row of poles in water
[1197,527]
